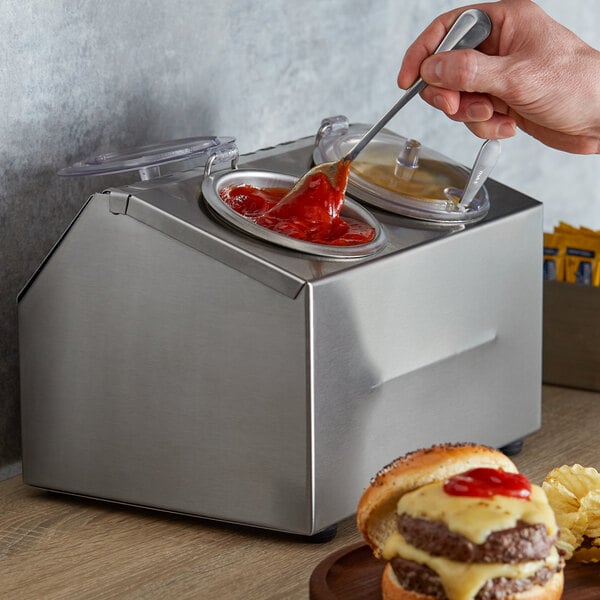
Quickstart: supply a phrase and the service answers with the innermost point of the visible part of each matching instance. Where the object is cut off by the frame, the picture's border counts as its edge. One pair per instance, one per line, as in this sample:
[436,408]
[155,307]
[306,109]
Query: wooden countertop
[54,546]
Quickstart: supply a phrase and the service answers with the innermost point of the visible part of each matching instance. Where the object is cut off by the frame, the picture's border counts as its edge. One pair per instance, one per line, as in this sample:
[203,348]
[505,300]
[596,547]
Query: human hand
[530,73]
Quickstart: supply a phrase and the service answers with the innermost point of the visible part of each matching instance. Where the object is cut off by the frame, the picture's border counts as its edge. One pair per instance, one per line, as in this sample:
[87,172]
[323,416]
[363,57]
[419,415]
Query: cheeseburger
[458,522]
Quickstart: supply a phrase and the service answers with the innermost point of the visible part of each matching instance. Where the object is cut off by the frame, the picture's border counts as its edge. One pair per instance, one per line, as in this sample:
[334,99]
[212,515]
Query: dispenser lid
[148,159]
[400,175]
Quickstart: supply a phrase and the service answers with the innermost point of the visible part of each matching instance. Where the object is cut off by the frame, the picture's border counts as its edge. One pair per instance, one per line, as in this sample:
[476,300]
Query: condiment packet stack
[572,254]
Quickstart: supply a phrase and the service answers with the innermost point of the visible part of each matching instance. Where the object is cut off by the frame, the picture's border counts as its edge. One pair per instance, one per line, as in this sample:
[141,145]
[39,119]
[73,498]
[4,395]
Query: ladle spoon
[486,160]
[468,31]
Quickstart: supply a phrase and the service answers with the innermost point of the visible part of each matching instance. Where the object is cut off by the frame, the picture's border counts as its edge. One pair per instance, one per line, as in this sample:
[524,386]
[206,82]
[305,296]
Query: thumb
[466,71]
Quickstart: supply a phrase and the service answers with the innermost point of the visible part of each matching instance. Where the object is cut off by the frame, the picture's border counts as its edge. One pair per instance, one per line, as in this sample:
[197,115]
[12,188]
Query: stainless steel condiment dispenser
[173,360]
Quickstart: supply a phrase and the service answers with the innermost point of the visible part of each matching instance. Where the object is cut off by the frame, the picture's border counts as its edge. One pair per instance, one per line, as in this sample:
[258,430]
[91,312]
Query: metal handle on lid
[226,152]
[338,125]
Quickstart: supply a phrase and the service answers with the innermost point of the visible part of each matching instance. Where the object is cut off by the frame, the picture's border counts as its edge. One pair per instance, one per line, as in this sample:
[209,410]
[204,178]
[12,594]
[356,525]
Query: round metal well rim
[214,183]
[331,149]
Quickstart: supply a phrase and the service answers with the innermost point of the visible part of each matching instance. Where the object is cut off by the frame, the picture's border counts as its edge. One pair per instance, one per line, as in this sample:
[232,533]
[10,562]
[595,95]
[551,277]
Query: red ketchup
[311,213]
[484,482]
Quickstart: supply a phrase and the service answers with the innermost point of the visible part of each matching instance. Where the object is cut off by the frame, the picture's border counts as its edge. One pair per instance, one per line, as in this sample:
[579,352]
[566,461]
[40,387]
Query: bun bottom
[392,590]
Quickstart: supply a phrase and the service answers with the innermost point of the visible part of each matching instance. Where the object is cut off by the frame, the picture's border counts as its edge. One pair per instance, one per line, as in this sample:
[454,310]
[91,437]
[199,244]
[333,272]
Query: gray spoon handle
[469,30]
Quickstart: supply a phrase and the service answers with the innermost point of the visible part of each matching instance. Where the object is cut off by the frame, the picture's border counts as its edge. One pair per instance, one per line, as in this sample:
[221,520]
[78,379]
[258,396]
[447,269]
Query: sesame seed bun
[376,512]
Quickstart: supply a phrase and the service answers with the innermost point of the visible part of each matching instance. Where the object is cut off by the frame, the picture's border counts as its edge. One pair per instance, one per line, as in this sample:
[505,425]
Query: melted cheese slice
[476,518]
[462,581]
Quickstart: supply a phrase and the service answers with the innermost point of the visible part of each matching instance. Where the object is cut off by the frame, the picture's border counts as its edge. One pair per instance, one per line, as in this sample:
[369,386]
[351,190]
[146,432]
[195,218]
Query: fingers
[461,106]
[448,101]
[499,127]
[486,116]
[423,47]
[463,84]
[468,71]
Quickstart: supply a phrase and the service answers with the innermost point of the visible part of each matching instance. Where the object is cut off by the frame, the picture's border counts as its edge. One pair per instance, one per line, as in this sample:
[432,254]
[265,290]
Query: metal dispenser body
[171,361]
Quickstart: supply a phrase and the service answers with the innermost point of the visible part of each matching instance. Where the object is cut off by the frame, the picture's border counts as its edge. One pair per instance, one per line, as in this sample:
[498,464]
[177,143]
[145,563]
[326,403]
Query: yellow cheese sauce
[475,518]
[462,581]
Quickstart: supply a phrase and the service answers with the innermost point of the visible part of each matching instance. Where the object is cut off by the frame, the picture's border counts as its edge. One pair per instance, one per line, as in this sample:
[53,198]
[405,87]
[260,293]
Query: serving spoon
[482,167]
[468,31]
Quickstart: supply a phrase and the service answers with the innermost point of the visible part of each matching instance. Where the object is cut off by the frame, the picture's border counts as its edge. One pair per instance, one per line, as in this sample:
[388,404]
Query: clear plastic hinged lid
[148,159]
[223,153]
[400,175]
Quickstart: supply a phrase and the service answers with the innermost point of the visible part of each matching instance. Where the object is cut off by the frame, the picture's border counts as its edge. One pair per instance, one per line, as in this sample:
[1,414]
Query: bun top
[376,512]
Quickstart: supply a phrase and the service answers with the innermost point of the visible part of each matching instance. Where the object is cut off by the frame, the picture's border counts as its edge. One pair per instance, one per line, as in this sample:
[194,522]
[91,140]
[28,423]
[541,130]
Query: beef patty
[522,543]
[423,580]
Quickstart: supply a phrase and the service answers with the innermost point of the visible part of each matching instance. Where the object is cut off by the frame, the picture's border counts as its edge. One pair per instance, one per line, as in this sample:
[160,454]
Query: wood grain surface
[59,547]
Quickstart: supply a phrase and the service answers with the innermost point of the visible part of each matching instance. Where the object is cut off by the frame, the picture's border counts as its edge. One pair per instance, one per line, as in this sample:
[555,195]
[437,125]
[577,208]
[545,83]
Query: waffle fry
[574,494]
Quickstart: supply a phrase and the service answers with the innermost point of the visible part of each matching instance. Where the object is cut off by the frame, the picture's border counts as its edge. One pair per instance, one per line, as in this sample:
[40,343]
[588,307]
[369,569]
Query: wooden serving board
[352,573]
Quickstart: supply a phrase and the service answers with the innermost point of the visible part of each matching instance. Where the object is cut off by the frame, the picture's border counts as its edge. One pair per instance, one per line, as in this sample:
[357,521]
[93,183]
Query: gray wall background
[81,77]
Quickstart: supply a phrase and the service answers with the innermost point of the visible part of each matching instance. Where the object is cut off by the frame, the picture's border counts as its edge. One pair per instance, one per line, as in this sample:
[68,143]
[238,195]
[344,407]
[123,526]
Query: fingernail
[507,129]
[431,70]
[479,111]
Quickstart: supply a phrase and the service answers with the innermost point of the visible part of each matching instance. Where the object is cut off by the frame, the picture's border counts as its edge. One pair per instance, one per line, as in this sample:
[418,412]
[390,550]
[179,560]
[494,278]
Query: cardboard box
[571,342]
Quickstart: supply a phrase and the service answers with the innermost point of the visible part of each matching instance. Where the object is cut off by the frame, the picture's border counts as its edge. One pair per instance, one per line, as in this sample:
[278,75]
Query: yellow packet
[553,257]
[563,227]
[581,259]
[588,231]
[569,229]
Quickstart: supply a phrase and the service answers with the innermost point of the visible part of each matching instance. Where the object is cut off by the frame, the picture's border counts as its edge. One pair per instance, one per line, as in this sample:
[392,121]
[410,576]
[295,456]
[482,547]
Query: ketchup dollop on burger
[458,522]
